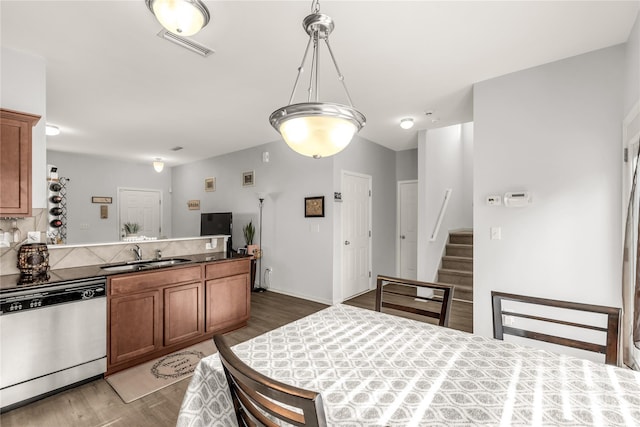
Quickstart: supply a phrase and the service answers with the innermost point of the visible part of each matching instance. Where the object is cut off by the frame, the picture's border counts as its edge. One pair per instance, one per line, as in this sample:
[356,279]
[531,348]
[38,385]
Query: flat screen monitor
[215,223]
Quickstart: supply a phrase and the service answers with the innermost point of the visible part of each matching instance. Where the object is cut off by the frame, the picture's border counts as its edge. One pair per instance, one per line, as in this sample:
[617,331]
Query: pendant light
[313,128]
[181,17]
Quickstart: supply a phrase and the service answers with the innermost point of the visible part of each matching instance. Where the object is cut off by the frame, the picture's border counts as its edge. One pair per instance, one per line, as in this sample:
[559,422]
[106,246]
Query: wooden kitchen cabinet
[156,312]
[183,312]
[15,162]
[135,326]
[228,302]
[228,295]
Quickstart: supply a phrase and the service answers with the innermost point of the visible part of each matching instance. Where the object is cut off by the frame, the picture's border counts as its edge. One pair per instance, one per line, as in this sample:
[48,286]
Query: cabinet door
[135,326]
[15,163]
[183,312]
[228,302]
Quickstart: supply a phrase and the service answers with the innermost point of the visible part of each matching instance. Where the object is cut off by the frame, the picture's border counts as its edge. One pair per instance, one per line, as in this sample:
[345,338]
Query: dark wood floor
[96,404]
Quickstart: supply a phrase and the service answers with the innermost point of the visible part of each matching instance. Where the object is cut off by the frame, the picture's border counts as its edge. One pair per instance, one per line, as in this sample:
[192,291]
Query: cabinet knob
[402,236]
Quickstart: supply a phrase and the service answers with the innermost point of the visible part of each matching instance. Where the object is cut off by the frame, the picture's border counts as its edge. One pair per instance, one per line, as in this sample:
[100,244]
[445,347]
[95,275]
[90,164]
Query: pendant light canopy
[313,128]
[181,17]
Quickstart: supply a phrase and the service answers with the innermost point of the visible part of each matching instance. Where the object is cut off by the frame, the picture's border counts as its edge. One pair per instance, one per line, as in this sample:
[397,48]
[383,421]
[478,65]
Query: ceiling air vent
[185,43]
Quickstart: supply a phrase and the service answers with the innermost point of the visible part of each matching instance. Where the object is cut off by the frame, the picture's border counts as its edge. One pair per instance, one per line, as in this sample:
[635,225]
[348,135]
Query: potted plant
[131,228]
[249,232]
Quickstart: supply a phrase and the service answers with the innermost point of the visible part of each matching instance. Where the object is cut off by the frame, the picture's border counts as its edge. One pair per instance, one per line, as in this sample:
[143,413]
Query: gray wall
[365,157]
[407,165]
[301,251]
[96,176]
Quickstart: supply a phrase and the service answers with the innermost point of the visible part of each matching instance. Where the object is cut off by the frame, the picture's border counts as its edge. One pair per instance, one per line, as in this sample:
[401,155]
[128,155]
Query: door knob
[346,242]
[402,236]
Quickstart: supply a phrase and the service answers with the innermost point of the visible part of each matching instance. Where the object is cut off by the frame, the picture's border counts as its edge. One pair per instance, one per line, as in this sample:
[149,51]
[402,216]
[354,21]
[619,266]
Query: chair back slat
[609,348]
[406,301]
[257,397]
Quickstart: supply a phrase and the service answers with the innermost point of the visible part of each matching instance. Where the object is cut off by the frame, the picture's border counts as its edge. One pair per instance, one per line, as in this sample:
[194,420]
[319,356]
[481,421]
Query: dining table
[379,369]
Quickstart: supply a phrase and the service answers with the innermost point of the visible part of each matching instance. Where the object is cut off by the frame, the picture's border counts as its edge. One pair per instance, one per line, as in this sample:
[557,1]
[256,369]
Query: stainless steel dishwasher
[51,337]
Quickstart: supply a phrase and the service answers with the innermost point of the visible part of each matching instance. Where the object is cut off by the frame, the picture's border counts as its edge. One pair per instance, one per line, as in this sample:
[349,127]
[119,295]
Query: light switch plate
[496,233]
[33,237]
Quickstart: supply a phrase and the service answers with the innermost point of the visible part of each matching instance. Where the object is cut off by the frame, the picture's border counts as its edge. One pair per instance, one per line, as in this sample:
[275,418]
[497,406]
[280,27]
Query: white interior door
[356,234]
[408,229]
[142,207]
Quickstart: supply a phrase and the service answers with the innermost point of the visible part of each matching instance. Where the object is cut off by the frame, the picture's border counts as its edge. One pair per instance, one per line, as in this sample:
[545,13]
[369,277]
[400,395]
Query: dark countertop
[16,282]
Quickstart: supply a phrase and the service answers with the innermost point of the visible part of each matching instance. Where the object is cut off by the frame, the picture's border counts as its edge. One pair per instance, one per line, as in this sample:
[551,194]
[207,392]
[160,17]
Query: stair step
[454,249]
[457,263]
[461,237]
[455,277]
[461,292]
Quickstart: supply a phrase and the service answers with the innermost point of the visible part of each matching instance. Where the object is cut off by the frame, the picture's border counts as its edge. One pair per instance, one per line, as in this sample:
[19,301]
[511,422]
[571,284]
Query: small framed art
[247,179]
[209,184]
[314,207]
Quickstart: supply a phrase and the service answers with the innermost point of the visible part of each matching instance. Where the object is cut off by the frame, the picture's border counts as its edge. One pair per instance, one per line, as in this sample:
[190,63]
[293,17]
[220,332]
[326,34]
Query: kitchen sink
[144,265]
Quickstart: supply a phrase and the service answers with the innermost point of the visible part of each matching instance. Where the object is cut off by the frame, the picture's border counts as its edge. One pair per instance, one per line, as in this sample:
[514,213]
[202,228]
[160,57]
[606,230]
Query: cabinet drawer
[138,282]
[224,269]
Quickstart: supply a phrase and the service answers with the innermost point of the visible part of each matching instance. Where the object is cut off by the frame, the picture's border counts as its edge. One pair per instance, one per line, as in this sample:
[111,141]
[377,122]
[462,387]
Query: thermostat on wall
[517,200]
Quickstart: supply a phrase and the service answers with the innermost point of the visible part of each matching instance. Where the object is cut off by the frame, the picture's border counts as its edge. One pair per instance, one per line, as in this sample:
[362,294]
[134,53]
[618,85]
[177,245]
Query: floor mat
[139,381]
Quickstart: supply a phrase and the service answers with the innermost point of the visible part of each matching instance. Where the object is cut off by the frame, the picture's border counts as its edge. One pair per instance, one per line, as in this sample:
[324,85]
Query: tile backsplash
[68,256]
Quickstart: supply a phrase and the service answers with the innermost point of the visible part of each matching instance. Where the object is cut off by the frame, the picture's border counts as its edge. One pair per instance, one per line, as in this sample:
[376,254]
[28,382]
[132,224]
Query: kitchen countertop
[15,282]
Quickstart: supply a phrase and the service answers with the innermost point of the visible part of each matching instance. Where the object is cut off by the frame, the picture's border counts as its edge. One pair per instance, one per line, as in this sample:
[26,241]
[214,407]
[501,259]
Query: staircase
[457,265]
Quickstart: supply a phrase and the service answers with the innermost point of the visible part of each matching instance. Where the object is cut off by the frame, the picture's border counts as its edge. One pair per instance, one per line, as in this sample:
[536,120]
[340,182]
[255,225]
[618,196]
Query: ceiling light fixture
[181,17]
[51,130]
[158,164]
[317,129]
[406,123]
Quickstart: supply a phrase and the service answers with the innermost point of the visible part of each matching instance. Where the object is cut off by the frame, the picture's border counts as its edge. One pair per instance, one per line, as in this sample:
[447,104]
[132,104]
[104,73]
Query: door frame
[119,191]
[369,178]
[399,183]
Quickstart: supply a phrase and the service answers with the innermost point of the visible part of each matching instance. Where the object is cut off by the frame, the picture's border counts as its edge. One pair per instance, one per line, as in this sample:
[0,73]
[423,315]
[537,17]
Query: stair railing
[443,210]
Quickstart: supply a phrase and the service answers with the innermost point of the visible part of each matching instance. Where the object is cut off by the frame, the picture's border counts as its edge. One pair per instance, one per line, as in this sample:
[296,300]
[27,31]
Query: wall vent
[186,43]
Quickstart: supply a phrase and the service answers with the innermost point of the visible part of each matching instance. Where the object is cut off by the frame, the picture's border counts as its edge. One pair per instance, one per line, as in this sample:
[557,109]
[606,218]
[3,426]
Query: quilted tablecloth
[375,369]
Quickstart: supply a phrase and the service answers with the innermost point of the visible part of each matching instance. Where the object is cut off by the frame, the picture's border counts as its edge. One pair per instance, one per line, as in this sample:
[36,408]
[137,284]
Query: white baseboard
[307,297]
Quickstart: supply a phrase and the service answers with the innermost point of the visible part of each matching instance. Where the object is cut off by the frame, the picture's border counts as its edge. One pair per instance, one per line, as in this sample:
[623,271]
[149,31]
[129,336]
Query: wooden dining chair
[257,397]
[609,348]
[401,294]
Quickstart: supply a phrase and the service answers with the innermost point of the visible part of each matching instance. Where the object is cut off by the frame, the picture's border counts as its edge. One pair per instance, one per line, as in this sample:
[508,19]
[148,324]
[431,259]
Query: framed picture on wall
[314,207]
[247,179]
[210,184]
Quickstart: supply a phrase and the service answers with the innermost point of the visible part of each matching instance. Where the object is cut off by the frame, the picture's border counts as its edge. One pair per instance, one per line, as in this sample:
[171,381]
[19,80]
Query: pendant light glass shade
[181,17]
[317,129]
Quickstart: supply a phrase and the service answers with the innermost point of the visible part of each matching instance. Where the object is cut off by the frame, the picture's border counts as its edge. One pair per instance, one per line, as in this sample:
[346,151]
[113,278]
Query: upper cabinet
[15,163]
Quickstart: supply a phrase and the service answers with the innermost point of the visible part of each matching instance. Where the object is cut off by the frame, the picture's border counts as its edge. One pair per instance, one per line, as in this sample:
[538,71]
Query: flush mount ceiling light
[406,123]
[158,164]
[51,130]
[313,128]
[181,17]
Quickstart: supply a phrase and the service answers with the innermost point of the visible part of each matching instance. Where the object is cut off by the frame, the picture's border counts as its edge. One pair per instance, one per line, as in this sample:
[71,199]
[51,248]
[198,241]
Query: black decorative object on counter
[33,259]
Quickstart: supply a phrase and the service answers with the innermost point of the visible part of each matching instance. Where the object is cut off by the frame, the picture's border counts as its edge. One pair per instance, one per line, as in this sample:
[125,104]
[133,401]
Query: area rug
[139,381]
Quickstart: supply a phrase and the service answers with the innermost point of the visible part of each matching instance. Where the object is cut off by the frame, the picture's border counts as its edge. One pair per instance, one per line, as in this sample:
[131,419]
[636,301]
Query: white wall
[552,130]
[444,157]
[632,68]
[23,85]
[96,176]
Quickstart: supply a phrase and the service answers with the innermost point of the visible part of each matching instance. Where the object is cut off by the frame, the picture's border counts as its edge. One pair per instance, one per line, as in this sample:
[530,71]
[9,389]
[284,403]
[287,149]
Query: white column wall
[552,130]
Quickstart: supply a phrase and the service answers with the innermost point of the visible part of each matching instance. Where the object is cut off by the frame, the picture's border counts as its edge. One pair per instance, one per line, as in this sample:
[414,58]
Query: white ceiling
[116,89]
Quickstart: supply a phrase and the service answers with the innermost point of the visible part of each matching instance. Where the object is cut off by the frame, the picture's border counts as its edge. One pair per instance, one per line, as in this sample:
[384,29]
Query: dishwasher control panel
[61,293]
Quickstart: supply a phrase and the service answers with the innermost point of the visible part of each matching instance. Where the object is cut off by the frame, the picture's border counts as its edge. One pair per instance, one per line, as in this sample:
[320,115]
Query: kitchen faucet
[138,252]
